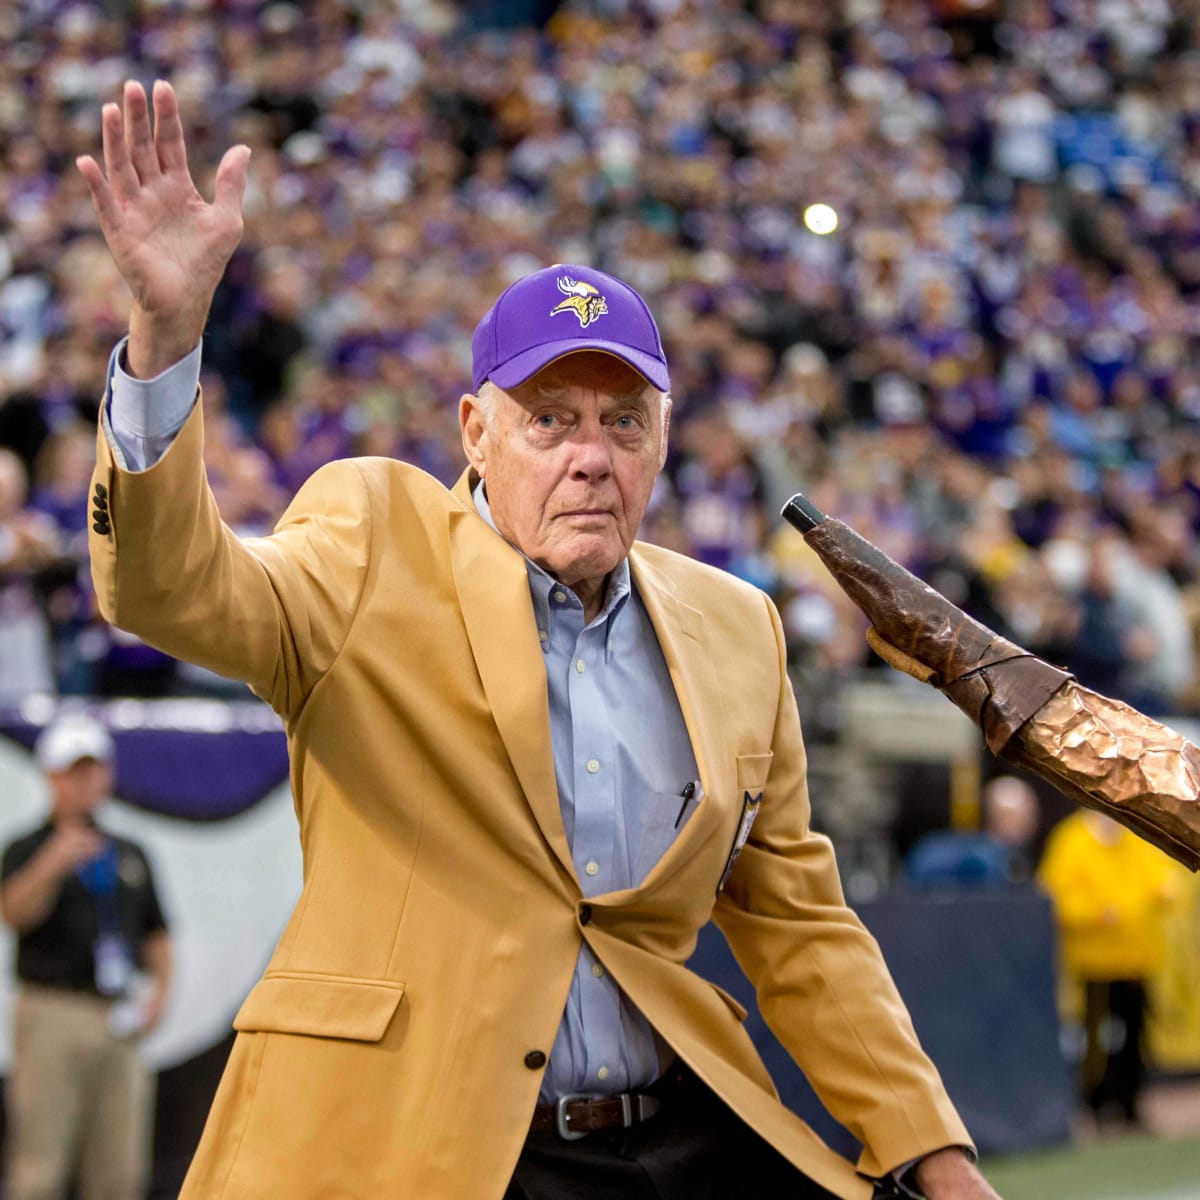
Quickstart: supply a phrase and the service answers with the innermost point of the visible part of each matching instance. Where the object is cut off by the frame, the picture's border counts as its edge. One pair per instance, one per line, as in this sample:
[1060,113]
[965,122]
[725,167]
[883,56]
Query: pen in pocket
[689,790]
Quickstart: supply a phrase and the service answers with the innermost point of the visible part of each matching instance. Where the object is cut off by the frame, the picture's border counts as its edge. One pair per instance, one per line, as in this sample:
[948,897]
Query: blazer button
[585,914]
[101,490]
[103,530]
[99,515]
[535,1060]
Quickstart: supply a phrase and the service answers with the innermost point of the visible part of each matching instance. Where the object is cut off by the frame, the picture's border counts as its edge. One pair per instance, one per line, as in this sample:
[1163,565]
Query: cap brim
[55,765]
[529,362]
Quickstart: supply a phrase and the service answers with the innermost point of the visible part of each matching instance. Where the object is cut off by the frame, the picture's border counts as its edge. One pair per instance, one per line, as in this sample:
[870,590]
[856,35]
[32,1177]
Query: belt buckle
[560,1117]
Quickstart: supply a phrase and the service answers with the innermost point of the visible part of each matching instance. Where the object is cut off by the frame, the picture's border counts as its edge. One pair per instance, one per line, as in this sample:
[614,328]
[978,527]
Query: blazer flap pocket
[320,1006]
[753,770]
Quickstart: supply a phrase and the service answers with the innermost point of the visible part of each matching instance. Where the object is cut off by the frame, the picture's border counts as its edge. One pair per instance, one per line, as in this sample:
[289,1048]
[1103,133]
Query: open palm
[169,243]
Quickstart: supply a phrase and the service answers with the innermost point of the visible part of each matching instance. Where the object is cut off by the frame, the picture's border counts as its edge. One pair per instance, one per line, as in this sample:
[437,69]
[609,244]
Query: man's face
[77,791]
[569,458]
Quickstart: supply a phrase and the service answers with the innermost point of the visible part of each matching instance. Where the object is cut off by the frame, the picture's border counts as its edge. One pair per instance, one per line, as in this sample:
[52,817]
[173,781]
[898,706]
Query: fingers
[131,150]
[231,179]
[137,132]
[136,155]
[102,197]
[168,129]
[122,178]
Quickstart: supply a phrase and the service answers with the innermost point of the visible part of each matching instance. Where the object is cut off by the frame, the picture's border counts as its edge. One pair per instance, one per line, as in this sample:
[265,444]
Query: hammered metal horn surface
[1108,756]
[1099,752]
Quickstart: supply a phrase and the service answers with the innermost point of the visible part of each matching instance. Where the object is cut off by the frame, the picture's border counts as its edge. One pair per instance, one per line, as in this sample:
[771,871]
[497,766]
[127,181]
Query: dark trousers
[1114,1070]
[693,1148]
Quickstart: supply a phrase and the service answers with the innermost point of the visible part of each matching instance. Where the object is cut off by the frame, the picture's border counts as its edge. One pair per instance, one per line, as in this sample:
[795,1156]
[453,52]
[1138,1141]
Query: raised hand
[71,845]
[168,242]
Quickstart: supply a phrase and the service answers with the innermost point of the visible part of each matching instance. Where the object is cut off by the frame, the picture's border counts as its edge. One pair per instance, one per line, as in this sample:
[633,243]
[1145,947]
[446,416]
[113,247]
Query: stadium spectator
[995,855]
[87,919]
[1110,890]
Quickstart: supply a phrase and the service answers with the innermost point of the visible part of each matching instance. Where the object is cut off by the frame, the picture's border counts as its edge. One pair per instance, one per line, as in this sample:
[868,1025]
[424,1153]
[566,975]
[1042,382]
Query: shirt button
[593,765]
[593,868]
[535,1060]
[602,1073]
[559,597]
[597,970]
[580,665]
[542,635]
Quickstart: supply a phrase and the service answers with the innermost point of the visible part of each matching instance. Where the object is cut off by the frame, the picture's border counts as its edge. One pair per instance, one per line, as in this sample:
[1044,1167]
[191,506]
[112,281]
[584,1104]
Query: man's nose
[592,456]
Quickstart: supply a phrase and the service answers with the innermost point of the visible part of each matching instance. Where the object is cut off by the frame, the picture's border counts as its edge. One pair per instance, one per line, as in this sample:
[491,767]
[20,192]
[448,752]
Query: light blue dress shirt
[622,757]
[626,784]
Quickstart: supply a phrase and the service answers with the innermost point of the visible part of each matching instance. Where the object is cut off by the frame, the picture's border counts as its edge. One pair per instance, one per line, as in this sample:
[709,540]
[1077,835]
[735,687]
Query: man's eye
[546,421]
[626,423]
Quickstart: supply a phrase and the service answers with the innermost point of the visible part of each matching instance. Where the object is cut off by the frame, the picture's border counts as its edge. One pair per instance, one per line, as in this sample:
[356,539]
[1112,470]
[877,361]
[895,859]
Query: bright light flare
[820,219]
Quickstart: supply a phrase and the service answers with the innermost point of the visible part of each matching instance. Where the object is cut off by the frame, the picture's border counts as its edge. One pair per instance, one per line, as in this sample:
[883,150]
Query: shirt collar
[542,583]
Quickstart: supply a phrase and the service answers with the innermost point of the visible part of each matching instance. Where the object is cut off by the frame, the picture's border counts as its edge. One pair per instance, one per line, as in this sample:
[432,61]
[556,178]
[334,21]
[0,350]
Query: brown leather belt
[575,1116]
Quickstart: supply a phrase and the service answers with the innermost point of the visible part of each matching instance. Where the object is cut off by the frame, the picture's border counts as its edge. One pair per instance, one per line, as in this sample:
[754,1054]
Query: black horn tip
[801,512]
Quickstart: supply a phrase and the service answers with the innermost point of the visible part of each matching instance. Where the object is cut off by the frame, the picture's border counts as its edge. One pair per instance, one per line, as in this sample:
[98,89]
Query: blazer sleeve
[271,611]
[821,981]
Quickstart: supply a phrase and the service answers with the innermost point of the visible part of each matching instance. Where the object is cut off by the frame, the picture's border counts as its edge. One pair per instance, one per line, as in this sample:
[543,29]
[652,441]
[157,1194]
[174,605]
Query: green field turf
[1134,1168]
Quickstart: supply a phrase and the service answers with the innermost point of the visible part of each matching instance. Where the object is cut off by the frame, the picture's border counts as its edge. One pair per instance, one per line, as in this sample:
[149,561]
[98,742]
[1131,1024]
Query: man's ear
[472,421]
[666,428]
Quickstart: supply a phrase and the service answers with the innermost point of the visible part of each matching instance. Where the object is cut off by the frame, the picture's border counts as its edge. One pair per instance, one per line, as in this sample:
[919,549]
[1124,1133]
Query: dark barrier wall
[977,973]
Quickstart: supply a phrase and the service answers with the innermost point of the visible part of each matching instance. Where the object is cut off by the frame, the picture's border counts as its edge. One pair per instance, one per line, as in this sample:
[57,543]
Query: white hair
[487,402]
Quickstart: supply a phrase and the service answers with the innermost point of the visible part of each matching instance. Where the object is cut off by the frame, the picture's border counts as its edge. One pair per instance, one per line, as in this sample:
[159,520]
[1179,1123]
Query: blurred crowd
[989,367]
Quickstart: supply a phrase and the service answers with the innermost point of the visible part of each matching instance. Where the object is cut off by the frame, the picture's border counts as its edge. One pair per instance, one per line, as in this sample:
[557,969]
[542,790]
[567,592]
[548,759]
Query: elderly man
[531,759]
[83,905]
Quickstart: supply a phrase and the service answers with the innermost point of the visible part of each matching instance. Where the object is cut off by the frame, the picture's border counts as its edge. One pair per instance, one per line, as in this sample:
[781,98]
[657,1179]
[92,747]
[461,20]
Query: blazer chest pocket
[752,771]
[326,1006]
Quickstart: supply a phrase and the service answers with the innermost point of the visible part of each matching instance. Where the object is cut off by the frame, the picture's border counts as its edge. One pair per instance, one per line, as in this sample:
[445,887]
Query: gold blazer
[384,1052]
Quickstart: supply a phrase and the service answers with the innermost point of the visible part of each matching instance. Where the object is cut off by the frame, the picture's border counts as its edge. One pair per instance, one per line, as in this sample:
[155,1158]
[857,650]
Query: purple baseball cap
[560,310]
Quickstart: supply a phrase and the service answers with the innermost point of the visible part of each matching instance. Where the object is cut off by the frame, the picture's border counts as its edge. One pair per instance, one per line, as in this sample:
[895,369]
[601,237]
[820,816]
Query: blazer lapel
[493,592]
[681,634]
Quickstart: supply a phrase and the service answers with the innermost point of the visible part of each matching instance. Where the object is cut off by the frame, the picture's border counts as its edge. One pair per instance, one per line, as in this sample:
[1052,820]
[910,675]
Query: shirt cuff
[144,415]
[906,1181]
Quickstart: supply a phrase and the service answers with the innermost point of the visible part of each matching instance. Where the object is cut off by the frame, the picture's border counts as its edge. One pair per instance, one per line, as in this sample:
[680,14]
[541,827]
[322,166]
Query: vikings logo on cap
[581,299]
[520,334]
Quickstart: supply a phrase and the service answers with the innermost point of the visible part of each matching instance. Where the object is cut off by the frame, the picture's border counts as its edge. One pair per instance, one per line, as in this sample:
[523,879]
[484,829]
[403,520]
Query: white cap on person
[70,740]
